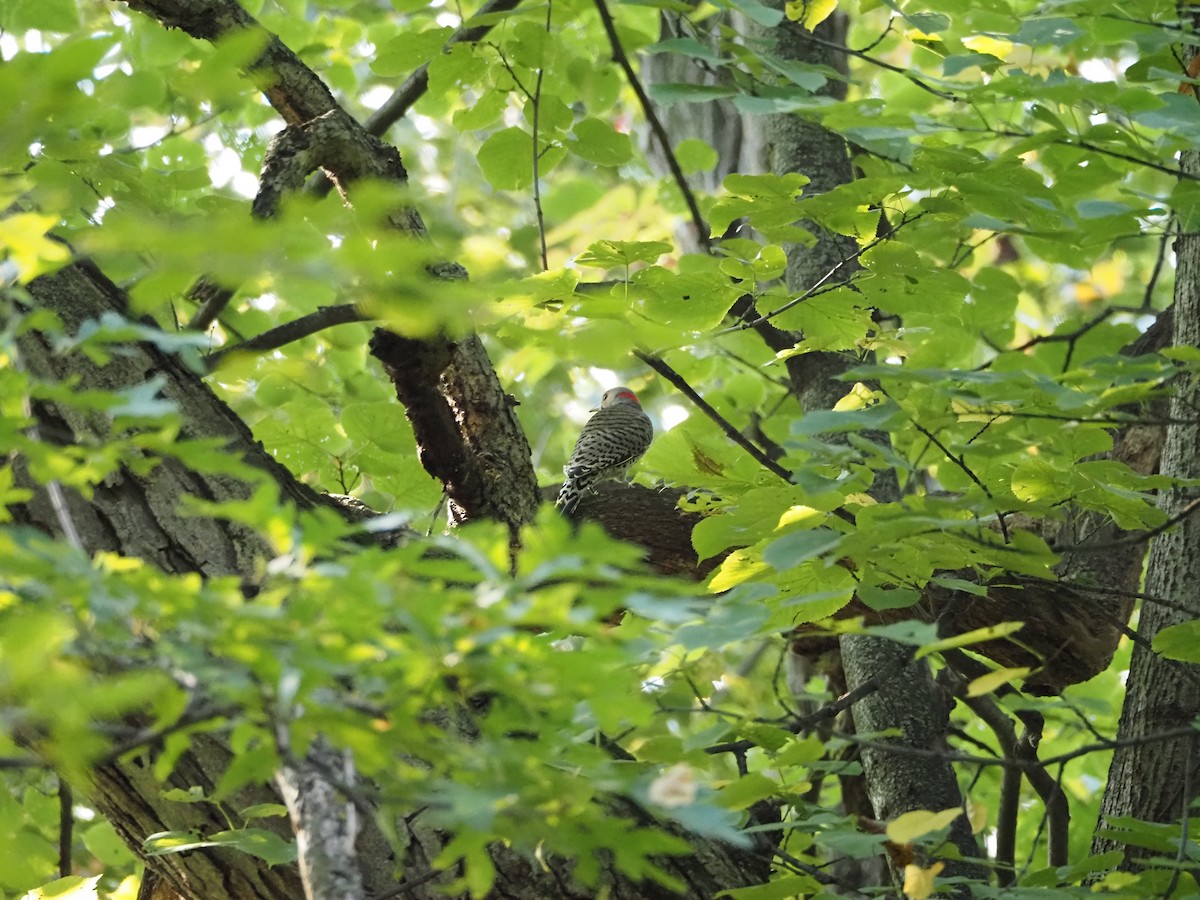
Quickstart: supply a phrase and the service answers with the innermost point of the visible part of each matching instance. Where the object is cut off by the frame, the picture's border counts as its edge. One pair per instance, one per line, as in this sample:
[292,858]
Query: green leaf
[687,46]
[194,794]
[783,887]
[695,155]
[880,599]
[961,62]
[1179,642]
[264,811]
[103,843]
[408,51]
[609,254]
[768,201]
[687,302]
[793,549]
[747,790]
[39,15]
[597,142]
[928,22]
[265,845]
[1056,31]
[506,159]
[760,13]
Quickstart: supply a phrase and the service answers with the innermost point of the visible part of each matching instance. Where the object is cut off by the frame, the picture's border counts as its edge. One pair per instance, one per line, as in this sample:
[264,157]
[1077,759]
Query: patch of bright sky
[225,168]
[30,42]
[1099,69]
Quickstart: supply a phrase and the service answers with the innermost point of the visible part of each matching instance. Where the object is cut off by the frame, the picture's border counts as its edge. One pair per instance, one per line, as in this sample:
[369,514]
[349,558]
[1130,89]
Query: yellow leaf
[860,397]
[918,882]
[24,238]
[985,684]
[981,43]
[810,13]
[799,514]
[73,887]
[919,822]
[739,566]
[977,815]
[988,633]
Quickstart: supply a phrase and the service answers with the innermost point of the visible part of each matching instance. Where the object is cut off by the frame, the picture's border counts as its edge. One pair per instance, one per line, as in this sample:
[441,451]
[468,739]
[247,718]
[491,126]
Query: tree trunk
[1156,781]
[909,701]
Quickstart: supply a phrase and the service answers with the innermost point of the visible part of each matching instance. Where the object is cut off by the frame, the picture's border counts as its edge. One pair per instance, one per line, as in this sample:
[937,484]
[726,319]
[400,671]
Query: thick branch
[466,425]
[290,332]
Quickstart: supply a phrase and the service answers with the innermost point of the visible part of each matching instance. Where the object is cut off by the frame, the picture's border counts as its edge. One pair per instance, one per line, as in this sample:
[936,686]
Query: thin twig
[659,366]
[289,332]
[537,187]
[1010,785]
[22,762]
[660,133]
[1185,796]
[962,464]
[829,710]
[395,107]
[414,87]
[1133,595]
[941,755]
[807,868]
[213,300]
[54,491]
[1163,243]
[150,737]
[1069,338]
[815,287]
[1137,537]
[899,70]
[1078,145]
[1050,789]
[66,827]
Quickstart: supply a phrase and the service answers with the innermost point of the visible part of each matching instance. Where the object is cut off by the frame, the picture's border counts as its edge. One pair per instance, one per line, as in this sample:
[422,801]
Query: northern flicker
[612,440]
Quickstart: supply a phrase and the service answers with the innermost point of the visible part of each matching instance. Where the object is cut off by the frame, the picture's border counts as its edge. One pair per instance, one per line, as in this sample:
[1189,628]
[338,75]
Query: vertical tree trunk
[1156,781]
[910,701]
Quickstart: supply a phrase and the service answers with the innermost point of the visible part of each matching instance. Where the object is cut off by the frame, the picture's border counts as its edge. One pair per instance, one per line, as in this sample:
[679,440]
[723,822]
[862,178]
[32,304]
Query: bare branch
[290,332]
[66,827]
[659,366]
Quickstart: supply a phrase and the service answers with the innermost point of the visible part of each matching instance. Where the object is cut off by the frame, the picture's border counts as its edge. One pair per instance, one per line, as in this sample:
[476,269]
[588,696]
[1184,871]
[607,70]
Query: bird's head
[616,395]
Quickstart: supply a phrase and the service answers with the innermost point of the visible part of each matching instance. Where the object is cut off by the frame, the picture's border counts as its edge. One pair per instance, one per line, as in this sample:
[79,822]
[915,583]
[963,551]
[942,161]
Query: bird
[612,440]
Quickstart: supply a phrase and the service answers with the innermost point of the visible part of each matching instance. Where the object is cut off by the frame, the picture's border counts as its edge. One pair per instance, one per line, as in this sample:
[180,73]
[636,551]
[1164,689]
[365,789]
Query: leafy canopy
[1023,155]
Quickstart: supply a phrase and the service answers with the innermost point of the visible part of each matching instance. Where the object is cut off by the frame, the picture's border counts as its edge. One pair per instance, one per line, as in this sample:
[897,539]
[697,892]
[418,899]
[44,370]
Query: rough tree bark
[1157,781]
[910,701]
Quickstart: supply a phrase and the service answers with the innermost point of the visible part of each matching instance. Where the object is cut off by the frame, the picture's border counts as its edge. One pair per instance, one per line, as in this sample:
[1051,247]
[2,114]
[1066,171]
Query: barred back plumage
[612,440]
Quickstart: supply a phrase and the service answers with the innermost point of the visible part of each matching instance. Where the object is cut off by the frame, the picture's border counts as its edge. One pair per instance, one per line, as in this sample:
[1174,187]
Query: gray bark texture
[449,388]
[138,516]
[909,701]
[1158,780]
